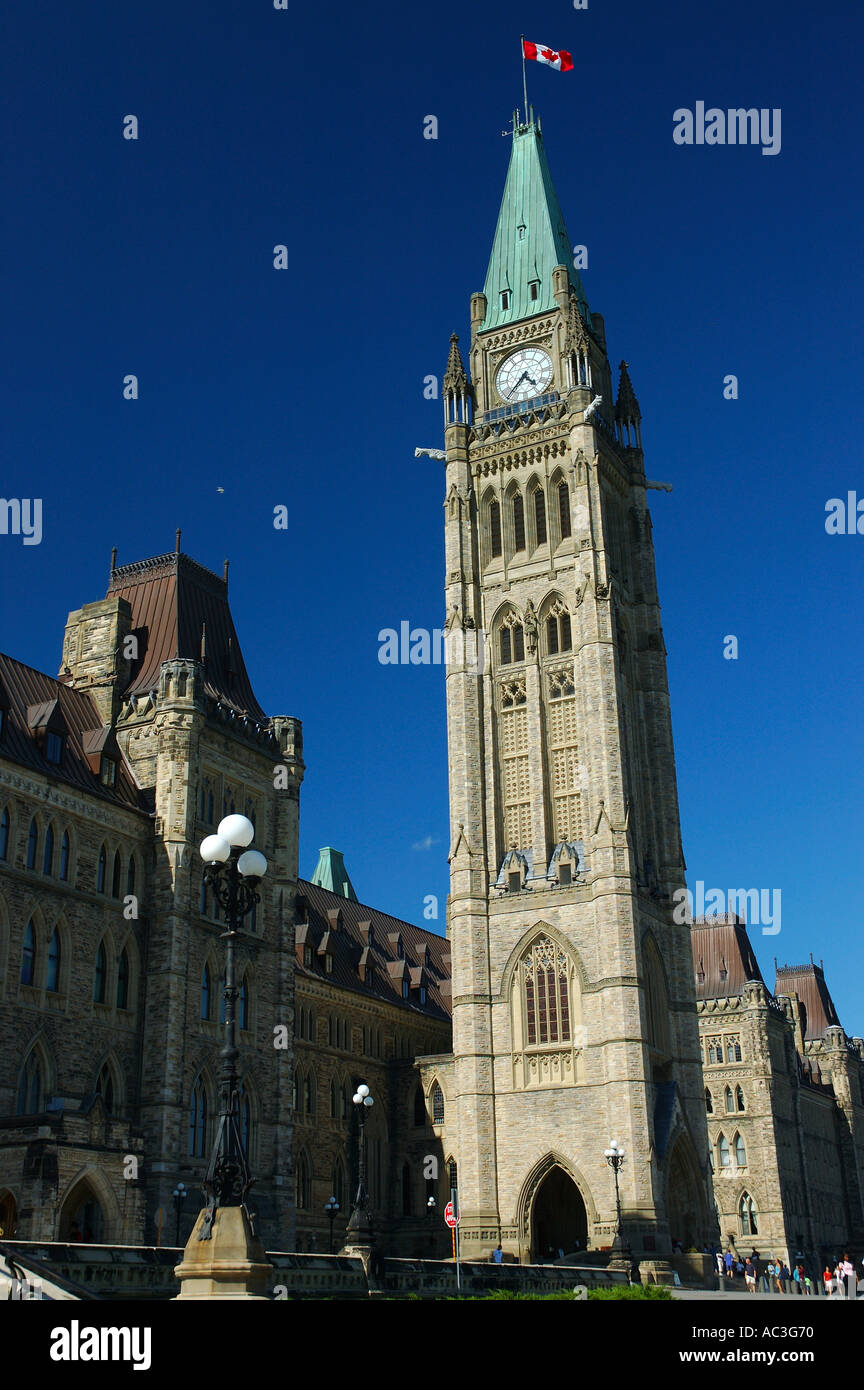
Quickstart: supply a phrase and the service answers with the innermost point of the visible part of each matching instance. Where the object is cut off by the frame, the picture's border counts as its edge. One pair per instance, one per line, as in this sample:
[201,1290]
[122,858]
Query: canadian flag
[562,61]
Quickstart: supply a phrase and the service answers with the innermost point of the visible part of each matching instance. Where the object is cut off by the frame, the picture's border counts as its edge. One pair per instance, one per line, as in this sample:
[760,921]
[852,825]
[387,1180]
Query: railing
[505,412]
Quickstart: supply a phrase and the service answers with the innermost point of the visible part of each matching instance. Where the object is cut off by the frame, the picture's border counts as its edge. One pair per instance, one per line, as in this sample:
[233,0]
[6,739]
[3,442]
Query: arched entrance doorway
[8,1215]
[685,1206]
[559,1221]
[82,1217]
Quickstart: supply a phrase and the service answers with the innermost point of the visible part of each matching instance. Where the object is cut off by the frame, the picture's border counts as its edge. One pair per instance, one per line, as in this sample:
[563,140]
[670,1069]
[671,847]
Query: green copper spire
[530,239]
[332,874]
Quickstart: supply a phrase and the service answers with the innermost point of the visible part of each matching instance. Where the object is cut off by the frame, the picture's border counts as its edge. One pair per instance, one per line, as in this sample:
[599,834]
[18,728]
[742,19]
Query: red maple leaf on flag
[549,54]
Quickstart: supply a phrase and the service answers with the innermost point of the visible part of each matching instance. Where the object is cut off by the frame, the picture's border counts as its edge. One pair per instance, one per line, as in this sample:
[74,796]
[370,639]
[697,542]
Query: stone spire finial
[455,377]
[626,406]
[576,339]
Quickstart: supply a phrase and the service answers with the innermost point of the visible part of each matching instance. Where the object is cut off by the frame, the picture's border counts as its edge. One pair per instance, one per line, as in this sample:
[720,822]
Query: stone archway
[82,1216]
[685,1203]
[559,1219]
[8,1215]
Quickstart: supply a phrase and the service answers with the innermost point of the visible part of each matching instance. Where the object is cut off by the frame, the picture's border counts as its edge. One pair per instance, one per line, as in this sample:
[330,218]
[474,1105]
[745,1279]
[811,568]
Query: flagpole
[524,82]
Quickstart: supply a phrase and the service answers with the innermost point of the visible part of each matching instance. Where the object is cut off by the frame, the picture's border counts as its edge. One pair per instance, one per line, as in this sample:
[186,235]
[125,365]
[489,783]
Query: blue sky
[305,387]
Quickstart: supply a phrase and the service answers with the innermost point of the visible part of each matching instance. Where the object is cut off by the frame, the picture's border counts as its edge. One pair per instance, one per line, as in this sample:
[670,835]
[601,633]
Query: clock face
[525,374]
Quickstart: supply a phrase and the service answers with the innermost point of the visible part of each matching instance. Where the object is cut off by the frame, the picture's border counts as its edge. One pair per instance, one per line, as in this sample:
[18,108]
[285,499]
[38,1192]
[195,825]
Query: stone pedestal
[231,1264]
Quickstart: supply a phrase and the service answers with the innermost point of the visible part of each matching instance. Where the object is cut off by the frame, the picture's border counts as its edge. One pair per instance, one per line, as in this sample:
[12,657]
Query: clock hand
[519,383]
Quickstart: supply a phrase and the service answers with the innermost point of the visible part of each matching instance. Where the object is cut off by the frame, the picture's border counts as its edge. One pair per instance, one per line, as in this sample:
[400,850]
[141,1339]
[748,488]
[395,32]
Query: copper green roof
[331,874]
[530,239]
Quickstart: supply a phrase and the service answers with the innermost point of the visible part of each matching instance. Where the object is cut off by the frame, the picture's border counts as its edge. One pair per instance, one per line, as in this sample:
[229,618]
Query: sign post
[452,1217]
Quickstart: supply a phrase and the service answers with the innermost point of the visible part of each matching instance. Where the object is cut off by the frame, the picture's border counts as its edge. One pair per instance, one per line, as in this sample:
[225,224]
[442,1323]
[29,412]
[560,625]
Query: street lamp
[331,1207]
[616,1157]
[233,873]
[360,1221]
[178,1196]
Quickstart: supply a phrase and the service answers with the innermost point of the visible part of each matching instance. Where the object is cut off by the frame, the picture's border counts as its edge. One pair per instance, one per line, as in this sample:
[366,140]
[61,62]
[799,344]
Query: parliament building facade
[567,1005]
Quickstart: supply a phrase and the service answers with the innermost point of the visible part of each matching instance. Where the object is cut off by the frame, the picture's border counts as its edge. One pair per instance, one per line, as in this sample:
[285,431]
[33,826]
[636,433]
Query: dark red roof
[808,982]
[350,943]
[72,714]
[723,958]
[175,601]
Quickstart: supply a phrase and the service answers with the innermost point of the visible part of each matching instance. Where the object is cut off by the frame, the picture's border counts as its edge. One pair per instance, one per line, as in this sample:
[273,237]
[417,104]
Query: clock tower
[574,1012]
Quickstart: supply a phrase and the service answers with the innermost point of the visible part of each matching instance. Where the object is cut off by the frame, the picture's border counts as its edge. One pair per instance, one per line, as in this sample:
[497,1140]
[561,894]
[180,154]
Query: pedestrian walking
[750,1275]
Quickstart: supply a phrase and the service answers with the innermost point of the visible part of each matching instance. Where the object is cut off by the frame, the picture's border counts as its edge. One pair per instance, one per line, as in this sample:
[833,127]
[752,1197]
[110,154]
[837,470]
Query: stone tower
[574,1017]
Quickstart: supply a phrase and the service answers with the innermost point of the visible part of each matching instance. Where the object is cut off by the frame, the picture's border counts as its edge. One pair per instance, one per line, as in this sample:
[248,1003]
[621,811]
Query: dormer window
[422,994]
[505,299]
[406,988]
[514,881]
[521,230]
[534,290]
[565,874]
[53,747]
[107,771]
[307,955]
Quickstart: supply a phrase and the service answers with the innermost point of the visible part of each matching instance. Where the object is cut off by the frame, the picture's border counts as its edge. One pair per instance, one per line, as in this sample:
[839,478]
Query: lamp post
[233,873]
[331,1207]
[178,1196]
[360,1231]
[616,1158]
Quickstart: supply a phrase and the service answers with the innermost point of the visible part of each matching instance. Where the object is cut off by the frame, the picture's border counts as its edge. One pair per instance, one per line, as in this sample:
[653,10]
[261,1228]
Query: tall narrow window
[130,876]
[739,1098]
[30,1088]
[105,1089]
[506,646]
[206,992]
[723,1152]
[198,1120]
[747,1215]
[32,844]
[4,833]
[101,869]
[52,973]
[437,1105]
[28,956]
[123,980]
[564,510]
[740,1152]
[709,1102]
[518,523]
[48,851]
[540,515]
[64,857]
[495,529]
[100,975]
[115,876]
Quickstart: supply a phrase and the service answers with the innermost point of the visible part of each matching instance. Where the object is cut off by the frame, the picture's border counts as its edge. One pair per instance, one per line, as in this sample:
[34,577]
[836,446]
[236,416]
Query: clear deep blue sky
[304,387]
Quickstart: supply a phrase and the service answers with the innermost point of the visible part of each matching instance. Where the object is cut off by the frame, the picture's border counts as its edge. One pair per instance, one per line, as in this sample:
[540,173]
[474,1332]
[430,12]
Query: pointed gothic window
[116,875]
[564,510]
[4,833]
[105,1089]
[740,1152]
[206,992]
[28,956]
[198,1120]
[123,980]
[437,1105]
[747,1215]
[64,857]
[130,876]
[739,1098]
[494,529]
[540,515]
[30,1087]
[730,1104]
[544,974]
[48,851]
[518,523]
[100,975]
[709,1102]
[723,1152]
[101,868]
[32,844]
[52,973]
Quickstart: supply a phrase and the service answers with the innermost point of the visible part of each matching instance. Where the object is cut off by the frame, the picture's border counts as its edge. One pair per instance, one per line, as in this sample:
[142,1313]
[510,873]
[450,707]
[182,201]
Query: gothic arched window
[709,1102]
[739,1098]
[123,980]
[48,851]
[747,1215]
[545,992]
[105,1088]
[30,1087]
[101,866]
[740,1152]
[730,1103]
[723,1152]
[100,975]
[564,510]
[512,640]
[206,992]
[32,844]
[52,973]
[495,547]
[559,636]
[540,516]
[28,956]
[198,1120]
[130,876]
[115,876]
[64,857]
[518,515]
[437,1105]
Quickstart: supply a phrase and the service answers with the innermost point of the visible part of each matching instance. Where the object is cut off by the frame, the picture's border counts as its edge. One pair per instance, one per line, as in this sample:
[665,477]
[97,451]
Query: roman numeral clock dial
[524,374]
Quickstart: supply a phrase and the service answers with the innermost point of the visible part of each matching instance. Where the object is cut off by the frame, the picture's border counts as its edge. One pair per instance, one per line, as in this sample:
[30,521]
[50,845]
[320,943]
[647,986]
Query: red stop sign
[451,1217]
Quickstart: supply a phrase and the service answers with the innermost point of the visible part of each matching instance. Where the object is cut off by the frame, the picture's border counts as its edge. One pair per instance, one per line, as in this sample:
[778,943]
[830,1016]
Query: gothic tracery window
[563,754]
[495,546]
[564,510]
[544,972]
[515,775]
[747,1215]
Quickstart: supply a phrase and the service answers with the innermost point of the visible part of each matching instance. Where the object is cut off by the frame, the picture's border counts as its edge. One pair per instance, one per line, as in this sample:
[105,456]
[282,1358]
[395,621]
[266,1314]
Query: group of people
[773,1275]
